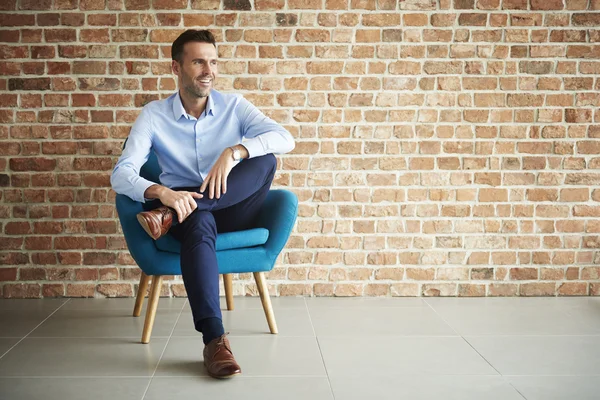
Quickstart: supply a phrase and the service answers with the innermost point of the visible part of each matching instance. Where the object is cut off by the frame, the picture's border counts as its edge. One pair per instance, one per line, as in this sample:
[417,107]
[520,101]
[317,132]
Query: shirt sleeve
[125,178]
[262,134]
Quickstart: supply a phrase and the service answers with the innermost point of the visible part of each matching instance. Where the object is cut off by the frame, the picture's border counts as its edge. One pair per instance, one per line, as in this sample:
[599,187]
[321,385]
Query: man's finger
[218,185]
[187,206]
[211,190]
[203,187]
[176,207]
[192,203]
[197,195]
[184,210]
[224,183]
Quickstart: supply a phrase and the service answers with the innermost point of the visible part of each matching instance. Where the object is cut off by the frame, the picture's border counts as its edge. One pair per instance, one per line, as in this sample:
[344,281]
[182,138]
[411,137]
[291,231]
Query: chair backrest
[151,170]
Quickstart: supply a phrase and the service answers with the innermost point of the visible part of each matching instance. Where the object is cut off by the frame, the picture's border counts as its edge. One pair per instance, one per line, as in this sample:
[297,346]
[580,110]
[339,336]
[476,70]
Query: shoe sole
[144,225]
[221,377]
[224,377]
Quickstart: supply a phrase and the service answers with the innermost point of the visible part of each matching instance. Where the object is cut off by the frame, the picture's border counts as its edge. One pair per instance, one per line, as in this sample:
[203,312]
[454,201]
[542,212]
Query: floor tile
[73,388]
[6,344]
[128,303]
[557,387]
[391,356]
[518,302]
[31,304]
[378,321]
[247,302]
[269,355]
[447,387]
[240,387]
[117,357]
[252,321]
[105,323]
[586,311]
[540,355]
[18,323]
[499,319]
[364,302]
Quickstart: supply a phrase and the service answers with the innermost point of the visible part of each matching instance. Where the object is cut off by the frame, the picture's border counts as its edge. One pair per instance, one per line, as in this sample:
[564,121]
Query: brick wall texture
[444,148]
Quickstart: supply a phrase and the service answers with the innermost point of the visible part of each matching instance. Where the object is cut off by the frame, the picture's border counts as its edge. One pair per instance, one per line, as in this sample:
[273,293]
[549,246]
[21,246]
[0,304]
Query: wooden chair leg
[152,304]
[266,300]
[141,294]
[228,283]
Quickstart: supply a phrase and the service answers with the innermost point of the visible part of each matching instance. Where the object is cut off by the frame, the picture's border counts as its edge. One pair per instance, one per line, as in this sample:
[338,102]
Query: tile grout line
[164,350]
[37,326]
[470,345]
[320,351]
[462,337]
[514,387]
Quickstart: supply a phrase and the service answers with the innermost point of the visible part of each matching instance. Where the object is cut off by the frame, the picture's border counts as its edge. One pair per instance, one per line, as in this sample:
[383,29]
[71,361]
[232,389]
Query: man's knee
[201,223]
[269,162]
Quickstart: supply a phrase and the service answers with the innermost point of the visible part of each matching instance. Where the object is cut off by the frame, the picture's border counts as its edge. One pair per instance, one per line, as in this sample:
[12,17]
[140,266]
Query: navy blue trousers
[247,187]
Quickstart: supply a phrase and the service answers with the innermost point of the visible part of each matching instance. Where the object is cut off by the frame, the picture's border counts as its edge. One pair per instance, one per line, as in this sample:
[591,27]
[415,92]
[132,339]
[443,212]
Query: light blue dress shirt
[186,147]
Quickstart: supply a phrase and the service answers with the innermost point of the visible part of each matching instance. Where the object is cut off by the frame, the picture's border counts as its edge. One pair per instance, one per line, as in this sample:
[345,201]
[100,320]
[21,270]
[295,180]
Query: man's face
[198,69]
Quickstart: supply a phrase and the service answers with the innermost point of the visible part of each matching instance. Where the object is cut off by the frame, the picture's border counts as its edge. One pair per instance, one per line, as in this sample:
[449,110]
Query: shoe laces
[222,343]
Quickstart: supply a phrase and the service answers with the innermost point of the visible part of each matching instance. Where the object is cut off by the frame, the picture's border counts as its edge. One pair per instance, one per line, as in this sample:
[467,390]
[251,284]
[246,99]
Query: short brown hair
[191,35]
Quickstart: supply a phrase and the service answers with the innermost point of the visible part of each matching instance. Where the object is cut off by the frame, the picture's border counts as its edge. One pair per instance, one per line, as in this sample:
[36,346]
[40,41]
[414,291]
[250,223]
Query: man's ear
[175,67]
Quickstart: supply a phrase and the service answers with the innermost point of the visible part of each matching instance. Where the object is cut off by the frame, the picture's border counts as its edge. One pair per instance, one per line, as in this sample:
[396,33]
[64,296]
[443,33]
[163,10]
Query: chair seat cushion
[225,241]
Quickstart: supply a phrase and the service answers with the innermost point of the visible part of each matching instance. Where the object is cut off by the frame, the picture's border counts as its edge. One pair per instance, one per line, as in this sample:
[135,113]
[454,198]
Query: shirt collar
[179,110]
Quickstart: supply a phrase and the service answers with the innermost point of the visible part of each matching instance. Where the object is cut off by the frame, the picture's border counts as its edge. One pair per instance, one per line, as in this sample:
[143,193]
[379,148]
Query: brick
[464,4]
[472,19]
[115,289]
[140,51]
[514,4]
[22,291]
[236,5]
[304,4]
[29,84]
[586,19]
[547,4]
[414,19]
[363,4]
[437,290]
[53,290]
[80,290]
[537,289]
[573,289]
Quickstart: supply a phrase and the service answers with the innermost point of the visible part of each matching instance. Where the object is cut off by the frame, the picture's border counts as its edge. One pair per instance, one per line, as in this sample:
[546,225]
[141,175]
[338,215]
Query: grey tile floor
[328,348]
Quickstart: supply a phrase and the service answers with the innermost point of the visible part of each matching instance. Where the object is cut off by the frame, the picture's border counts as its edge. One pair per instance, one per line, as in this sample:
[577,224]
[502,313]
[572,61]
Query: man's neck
[193,106]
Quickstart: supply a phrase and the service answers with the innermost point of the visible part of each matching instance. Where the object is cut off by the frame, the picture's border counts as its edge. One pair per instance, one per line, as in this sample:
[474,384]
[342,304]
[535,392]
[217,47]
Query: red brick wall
[443,148]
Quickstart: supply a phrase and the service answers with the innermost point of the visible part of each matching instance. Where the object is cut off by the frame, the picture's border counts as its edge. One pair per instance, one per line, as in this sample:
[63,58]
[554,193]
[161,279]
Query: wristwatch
[236,154]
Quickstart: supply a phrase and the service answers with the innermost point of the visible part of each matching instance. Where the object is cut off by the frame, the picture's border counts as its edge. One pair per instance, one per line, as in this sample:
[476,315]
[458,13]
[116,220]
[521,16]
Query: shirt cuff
[255,147]
[140,188]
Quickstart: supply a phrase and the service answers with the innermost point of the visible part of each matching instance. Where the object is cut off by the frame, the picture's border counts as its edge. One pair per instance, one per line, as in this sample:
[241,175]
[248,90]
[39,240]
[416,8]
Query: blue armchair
[254,250]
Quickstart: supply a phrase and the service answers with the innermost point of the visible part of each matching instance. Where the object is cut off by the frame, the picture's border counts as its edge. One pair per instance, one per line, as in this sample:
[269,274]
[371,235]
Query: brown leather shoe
[219,360]
[156,222]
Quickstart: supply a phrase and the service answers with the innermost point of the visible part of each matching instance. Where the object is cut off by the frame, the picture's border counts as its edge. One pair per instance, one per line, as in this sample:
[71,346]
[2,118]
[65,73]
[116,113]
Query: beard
[194,88]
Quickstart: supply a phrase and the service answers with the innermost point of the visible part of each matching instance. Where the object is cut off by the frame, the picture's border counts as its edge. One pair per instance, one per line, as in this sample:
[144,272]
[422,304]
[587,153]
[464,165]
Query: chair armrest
[141,246]
[278,214]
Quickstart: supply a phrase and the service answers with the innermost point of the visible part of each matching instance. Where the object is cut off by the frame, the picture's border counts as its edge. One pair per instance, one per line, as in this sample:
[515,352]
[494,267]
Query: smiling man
[204,189]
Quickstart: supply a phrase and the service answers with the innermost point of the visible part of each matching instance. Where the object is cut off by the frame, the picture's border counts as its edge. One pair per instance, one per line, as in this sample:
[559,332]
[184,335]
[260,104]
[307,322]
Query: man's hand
[216,180]
[182,202]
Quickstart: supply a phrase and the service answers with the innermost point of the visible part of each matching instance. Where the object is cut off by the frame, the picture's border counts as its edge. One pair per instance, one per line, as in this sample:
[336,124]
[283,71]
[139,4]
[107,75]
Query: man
[196,134]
